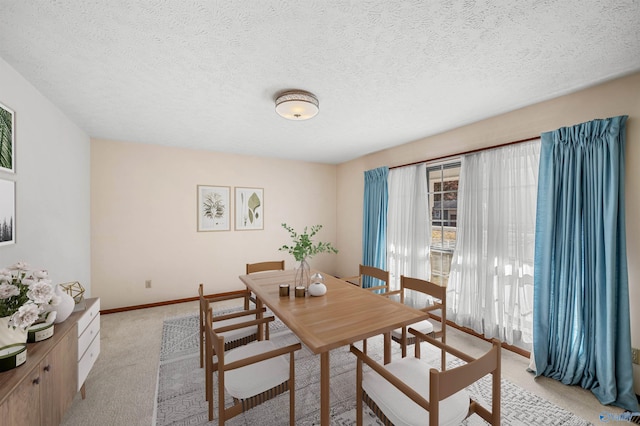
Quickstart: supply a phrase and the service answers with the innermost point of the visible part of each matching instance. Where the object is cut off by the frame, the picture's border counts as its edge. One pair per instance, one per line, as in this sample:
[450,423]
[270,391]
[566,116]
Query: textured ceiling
[204,74]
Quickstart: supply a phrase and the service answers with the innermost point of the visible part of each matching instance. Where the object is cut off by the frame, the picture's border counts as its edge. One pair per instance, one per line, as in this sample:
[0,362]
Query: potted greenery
[303,248]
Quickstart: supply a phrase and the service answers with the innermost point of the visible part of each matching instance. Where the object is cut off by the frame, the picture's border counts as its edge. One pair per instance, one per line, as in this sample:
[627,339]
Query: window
[442,181]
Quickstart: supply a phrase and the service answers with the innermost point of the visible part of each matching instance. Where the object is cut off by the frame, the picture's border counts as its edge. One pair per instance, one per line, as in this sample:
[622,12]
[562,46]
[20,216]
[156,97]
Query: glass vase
[302,274]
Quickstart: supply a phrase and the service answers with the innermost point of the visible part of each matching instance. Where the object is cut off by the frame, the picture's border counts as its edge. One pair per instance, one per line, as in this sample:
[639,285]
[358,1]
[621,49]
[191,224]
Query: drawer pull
[36,381]
[47,368]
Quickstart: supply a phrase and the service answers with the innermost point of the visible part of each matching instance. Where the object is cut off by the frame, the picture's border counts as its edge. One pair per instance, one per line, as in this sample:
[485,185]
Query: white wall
[618,97]
[52,185]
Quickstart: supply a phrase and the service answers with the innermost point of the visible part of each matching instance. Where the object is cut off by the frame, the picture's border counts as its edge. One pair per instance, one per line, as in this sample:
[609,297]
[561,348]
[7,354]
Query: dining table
[345,314]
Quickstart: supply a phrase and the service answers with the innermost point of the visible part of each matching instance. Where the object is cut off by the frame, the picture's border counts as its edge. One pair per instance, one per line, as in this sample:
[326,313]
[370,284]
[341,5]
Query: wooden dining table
[345,314]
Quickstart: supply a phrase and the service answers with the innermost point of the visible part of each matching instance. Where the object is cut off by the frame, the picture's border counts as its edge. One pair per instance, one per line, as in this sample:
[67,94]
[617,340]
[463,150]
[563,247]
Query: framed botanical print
[249,208]
[7,212]
[7,140]
[214,208]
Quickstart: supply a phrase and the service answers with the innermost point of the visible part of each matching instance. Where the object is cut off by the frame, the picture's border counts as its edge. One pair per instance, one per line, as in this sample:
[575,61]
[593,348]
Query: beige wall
[618,97]
[143,219]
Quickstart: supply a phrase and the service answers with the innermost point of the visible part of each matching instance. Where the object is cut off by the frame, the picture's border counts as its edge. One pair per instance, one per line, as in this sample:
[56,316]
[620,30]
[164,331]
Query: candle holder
[284,290]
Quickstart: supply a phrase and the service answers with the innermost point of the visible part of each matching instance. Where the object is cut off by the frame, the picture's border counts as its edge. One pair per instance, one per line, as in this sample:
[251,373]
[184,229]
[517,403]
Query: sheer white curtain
[491,281]
[408,226]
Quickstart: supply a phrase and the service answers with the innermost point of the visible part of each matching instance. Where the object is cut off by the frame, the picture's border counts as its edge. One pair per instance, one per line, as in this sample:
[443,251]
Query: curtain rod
[466,152]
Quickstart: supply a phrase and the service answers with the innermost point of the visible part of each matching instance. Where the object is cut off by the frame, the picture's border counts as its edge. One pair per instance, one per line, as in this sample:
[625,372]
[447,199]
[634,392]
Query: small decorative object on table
[303,248]
[317,286]
[75,290]
[65,306]
[42,330]
[284,290]
[25,297]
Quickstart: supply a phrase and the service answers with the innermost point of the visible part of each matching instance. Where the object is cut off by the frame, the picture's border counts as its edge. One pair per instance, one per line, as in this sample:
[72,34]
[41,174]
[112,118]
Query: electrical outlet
[635,355]
[147,284]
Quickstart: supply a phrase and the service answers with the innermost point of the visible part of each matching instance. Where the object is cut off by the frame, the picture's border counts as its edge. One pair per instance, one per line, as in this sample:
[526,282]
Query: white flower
[5,275]
[25,294]
[19,266]
[26,315]
[28,282]
[41,274]
[8,290]
[40,292]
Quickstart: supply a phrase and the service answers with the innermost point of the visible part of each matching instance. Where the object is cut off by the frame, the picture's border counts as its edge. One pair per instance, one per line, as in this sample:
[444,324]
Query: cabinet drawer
[88,316]
[88,335]
[87,360]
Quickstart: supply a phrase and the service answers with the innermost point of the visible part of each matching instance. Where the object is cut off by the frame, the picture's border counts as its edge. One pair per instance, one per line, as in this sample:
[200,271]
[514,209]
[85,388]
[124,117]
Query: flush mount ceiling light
[297,105]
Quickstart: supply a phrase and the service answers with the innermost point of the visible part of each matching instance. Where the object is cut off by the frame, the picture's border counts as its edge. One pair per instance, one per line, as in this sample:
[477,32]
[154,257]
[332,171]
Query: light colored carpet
[181,386]
[121,388]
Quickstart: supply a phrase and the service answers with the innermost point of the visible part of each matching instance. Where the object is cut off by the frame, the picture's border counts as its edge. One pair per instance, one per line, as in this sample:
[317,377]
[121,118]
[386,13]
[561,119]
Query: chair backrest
[443,384]
[430,289]
[435,291]
[275,265]
[380,278]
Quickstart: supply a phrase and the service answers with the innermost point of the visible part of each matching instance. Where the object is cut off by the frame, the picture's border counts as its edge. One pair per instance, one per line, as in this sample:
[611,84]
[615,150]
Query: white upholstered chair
[234,338]
[439,297]
[378,277]
[410,392]
[271,265]
[251,374]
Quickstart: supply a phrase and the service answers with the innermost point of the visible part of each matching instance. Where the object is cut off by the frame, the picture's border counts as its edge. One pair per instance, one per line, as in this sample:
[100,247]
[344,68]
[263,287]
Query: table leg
[324,388]
[387,348]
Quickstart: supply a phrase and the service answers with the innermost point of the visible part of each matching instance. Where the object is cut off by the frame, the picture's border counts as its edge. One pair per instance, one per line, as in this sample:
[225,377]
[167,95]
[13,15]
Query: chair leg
[201,342]
[221,413]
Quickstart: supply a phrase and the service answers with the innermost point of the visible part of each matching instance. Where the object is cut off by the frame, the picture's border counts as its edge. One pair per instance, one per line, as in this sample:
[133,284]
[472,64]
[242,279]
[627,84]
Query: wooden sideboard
[40,391]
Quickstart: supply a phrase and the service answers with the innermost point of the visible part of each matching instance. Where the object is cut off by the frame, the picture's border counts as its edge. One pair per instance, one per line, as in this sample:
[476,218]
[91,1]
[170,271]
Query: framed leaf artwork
[214,208]
[7,139]
[249,208]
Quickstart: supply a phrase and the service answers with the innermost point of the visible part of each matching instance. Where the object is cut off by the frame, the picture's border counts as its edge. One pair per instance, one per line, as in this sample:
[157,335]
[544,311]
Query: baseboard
[165,303]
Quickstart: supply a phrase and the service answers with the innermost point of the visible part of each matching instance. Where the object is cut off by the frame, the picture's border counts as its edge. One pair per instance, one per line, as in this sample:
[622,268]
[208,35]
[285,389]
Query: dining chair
[234,338]
[274,265]
[251,374]
[271,265]
[435,291]
[410,392]
[378,278]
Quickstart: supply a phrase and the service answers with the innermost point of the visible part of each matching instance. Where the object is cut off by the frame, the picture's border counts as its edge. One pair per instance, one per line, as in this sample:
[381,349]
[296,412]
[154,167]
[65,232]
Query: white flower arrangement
[25,295]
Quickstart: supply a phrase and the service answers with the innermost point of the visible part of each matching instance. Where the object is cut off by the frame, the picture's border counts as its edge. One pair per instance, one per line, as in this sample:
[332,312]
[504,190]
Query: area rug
[181,392]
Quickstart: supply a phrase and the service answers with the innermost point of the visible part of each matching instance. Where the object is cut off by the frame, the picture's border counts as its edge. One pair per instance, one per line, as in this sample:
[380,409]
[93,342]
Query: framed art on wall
[7,139]
[214,208]
[249,208]
[7,212]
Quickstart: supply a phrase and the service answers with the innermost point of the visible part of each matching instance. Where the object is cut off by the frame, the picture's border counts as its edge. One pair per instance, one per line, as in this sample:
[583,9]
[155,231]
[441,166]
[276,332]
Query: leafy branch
[303,246]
